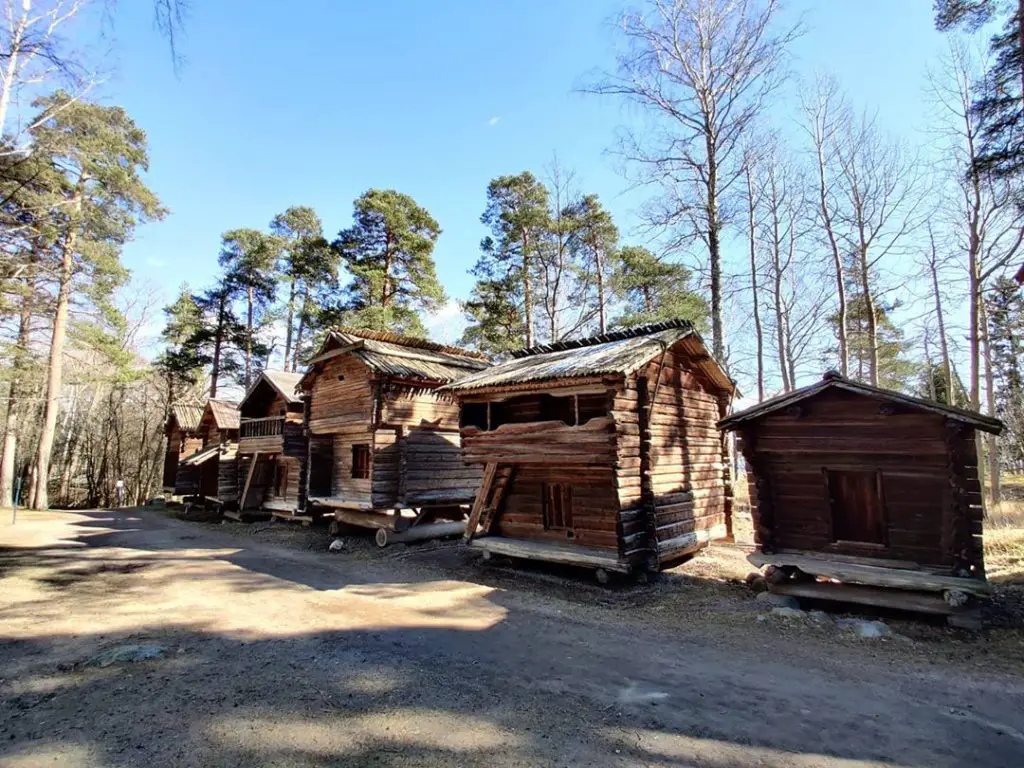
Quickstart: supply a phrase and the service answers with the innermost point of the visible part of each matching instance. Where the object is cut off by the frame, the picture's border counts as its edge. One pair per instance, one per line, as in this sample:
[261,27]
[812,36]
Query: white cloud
[446,324]
[494,121]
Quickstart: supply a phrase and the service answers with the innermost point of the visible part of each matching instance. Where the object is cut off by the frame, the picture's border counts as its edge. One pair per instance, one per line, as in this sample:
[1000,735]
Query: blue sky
[312,103]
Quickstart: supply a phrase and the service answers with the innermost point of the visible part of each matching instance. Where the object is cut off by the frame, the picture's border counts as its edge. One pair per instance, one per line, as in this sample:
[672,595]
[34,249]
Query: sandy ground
[271,651]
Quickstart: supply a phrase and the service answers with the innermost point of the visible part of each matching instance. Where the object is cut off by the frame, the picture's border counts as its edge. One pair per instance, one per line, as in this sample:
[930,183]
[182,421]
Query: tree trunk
[218,341]
[777,298]
[14,50]
[752,241]
[715,257]
[527,292]
[994,469]
[602,316]
[947,370]
[302,328]
[869,311]
[16,386]
[40,499]
[837,264]
[248,335]
[290,320]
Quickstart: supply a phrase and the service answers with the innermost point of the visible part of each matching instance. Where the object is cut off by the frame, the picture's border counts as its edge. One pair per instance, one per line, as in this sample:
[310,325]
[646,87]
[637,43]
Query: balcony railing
[270,426]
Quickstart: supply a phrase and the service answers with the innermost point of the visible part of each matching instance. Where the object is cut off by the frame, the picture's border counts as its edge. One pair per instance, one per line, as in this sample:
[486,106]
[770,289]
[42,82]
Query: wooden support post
[403,463]
[248,480]
[480,502]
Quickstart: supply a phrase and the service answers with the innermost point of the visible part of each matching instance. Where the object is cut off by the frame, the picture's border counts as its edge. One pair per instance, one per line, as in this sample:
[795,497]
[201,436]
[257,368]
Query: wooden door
[857,506]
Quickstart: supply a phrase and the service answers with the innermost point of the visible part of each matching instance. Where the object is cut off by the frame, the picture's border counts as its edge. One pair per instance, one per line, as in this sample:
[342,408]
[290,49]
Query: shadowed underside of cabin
[601,452]
[869,487]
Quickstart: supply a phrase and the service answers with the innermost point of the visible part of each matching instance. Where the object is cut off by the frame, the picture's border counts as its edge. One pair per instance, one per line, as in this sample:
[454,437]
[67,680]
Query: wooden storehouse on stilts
[183,440]
[383,441]
[600,452]
[864,495]
[271,446]
[213,471]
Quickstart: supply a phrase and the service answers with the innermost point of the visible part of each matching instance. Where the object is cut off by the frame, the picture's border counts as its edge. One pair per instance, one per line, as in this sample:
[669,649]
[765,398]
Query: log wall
[594,505]
[343,485]
[338,404]
[929,479]
[669,460]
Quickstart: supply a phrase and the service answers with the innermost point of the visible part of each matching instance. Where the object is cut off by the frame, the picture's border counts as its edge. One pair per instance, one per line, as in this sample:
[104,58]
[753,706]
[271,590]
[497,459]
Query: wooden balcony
[264,435]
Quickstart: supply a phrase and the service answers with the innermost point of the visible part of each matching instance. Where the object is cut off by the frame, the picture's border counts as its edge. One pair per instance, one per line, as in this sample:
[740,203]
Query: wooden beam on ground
[248,482]
[480,502]
[569,554]
[849,593]
[871,575]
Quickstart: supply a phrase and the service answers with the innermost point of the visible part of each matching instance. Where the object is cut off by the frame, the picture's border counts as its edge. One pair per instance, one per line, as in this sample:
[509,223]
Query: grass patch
[1004,541]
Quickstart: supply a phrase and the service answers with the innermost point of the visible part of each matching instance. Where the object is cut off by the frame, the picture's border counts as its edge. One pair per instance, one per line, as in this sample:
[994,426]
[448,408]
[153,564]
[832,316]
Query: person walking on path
[119,492]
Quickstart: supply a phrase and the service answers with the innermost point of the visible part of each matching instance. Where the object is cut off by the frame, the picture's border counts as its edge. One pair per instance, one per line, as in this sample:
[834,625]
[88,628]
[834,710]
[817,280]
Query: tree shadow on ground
[480,679]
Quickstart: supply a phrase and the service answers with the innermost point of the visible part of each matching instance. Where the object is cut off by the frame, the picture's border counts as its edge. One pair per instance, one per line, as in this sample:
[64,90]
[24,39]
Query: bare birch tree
[702,71]
[750,168]
[826,116]
[880,208]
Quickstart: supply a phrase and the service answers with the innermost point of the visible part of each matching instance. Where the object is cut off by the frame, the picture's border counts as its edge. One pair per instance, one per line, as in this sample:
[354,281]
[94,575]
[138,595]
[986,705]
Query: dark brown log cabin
[383,439]
[183,440]
[213,471]
[272,444]
[600,452]
[855,484]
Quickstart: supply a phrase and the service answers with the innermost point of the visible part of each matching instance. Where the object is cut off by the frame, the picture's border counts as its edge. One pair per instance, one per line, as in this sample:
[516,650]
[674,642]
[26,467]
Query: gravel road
[128,638]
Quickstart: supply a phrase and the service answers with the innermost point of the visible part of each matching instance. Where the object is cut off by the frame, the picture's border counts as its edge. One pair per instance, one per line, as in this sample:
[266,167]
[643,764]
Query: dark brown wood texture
[341,397]
[927,490]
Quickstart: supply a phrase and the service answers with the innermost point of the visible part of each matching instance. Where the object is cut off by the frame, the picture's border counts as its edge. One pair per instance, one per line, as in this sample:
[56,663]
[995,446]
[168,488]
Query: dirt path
[268,655]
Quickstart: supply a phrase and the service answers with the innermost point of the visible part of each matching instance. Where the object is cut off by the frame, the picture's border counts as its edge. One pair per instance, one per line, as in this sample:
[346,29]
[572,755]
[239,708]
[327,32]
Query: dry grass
[1004,533]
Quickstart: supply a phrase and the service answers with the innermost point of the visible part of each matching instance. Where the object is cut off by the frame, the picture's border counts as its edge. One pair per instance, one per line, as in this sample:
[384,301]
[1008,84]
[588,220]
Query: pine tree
[595,238]
[517,215]
[493,309]
[895,370]
[221,339]
[249,258]
[96,155]
[181,363]
[389,252]
[654,290]
[307,266]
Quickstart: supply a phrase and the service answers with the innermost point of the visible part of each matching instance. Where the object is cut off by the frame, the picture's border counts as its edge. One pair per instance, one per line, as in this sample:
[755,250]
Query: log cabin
[865,495]
[183,440]
[600,452]
[212,473]
[271,446]
[383,440]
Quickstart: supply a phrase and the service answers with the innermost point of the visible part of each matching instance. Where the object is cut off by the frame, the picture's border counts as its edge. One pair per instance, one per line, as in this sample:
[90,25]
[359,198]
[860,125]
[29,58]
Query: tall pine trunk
[10,448]
[218,344]
[302,328]
[527,292]
[602,314]
[55,367]
[248,335]
[290,320]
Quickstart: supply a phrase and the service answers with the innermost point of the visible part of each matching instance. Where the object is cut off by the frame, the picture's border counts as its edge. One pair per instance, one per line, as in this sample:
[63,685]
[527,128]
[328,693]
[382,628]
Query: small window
[361,462]
[858,509]
[557,506]
[473,415]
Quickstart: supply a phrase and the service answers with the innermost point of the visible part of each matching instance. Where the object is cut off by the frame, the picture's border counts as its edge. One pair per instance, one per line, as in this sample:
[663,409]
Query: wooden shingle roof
[403,357]
[620,352]
[833,380]
[225,413]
